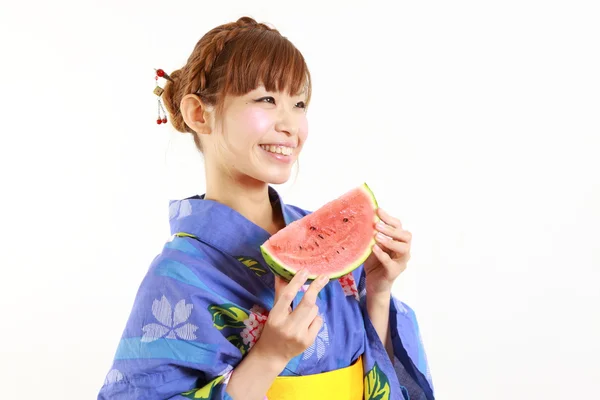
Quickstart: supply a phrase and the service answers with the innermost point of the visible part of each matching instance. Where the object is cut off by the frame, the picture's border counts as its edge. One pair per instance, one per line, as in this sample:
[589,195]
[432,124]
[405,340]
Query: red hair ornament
[158,91]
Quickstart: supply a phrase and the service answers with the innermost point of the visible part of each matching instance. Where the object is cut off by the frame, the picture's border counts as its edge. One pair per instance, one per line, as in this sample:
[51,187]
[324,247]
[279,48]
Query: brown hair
[235,58]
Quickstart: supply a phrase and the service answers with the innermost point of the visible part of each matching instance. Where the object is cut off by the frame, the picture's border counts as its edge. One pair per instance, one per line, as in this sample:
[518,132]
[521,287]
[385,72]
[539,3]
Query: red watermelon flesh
[334,240]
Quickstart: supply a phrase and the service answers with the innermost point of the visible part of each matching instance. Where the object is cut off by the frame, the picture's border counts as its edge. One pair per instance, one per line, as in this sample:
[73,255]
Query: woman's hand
[390,255]
[288,333]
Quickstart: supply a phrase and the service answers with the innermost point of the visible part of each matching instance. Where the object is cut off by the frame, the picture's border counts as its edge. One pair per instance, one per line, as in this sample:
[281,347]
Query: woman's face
[261,135]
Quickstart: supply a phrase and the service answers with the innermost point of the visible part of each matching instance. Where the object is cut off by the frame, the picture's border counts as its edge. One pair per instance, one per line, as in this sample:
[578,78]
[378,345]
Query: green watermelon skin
[344,233]
[278,269]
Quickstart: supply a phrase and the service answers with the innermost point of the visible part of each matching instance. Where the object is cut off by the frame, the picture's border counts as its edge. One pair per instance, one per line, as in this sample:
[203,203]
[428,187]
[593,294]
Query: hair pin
[158,91]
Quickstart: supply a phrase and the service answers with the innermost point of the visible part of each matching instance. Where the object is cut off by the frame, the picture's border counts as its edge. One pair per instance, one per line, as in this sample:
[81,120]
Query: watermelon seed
[321,236]
[317,244]
[338,251]
[300,247]
[312,228]
[343,248]
[345,219]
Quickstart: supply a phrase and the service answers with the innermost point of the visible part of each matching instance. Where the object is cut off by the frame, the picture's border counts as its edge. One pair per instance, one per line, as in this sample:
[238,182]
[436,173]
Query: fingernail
[304,274]
[380,225]
[381,236]
[323,279]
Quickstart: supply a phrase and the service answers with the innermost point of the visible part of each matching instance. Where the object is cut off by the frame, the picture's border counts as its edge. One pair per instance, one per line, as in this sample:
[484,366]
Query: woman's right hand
[288,333]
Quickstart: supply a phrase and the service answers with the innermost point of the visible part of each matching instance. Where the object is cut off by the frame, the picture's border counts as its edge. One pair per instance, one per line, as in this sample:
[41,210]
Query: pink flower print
[254,326]
[349,285]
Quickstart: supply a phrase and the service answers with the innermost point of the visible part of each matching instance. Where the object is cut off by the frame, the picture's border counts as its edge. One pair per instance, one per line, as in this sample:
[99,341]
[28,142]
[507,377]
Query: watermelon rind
[286,272]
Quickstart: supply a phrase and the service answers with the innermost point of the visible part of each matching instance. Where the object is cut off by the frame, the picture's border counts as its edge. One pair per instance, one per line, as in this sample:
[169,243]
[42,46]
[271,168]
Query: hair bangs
[266,58]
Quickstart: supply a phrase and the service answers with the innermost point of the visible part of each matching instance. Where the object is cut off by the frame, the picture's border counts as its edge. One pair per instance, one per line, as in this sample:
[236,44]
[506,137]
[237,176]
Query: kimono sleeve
[410,360]
[182,339]
[409,352]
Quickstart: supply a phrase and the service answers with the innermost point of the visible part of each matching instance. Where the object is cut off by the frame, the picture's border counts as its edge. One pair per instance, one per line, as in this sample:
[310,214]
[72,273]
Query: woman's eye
[269,99]
[272,101]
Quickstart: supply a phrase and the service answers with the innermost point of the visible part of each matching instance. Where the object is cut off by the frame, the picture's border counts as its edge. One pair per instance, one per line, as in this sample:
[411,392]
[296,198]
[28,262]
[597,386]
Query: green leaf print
[228,315]
[183,234]
[377,385]
[237,341]
[205,391]
[253,264]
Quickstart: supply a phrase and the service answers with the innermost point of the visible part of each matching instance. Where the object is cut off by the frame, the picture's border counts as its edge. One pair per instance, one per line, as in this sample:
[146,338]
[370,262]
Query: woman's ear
[196,114]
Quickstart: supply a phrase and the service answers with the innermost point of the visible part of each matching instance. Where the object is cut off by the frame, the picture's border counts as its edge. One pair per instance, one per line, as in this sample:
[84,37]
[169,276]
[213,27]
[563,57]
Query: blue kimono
[206,296]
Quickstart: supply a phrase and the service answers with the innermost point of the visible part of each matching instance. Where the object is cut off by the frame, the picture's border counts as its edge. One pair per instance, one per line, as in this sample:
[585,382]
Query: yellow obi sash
[344,383]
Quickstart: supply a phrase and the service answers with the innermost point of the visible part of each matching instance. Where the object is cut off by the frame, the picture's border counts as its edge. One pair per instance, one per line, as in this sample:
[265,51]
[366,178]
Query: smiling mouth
[284,150]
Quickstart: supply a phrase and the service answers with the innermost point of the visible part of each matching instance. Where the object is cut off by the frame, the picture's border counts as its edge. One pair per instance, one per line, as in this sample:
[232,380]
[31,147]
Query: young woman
[210,320]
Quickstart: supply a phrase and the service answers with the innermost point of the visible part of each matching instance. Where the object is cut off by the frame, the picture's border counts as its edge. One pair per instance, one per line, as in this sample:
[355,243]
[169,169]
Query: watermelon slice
[334,240]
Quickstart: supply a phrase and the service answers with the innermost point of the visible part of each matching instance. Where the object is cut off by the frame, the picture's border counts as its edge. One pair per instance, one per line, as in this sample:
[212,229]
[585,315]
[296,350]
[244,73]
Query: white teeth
[277,149]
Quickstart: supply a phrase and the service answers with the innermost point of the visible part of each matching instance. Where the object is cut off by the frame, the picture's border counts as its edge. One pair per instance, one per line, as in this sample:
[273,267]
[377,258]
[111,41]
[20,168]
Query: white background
[476,123]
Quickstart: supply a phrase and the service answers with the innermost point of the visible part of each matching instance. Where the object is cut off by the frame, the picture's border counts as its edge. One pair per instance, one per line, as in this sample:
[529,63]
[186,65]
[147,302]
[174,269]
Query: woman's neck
[250,198]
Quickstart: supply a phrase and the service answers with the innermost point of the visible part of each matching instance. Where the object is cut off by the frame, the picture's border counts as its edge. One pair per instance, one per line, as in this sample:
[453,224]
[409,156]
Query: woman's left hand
[390,255]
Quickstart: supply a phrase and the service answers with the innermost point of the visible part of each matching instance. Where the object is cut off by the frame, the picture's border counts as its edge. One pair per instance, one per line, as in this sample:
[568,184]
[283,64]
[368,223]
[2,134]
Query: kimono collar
[220,226]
